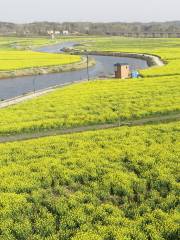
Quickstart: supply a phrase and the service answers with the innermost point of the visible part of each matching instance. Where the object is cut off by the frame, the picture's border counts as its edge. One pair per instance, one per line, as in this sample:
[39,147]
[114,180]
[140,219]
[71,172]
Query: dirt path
[47,133]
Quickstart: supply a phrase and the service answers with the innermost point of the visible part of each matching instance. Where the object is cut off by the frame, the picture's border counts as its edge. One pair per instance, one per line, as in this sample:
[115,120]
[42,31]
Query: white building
[65,32]
[50,32]
[57,32]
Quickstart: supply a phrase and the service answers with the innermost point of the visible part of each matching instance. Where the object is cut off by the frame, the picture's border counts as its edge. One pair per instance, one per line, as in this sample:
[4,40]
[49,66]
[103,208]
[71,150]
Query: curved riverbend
[13,87]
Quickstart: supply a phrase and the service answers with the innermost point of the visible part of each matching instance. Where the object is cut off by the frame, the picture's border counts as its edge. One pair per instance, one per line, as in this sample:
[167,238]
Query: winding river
[13,87]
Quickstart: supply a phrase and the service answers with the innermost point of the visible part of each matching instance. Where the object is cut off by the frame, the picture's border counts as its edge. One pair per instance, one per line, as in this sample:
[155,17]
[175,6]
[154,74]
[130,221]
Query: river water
[14,87]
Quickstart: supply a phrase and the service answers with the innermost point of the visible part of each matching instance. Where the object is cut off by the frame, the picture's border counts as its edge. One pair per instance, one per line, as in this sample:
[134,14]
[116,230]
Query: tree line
[114,28]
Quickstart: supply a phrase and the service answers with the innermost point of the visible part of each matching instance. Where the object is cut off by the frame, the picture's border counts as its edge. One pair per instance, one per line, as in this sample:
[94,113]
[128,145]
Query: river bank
[31,95]
[152,60]
[48,70]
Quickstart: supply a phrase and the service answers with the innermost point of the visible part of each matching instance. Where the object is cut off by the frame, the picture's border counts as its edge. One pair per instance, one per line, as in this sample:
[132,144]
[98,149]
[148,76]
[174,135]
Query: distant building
[122,70]
[49,32]
[65,32]
[57,32]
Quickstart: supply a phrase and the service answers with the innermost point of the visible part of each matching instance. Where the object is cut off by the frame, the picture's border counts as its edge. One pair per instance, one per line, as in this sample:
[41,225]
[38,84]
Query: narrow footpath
[55,132]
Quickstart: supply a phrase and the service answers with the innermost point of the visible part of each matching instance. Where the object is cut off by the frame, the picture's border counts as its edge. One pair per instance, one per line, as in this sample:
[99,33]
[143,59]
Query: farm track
[55,132]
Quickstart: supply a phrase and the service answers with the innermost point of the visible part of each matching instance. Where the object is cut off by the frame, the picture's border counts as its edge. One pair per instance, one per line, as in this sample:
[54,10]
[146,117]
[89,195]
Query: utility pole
[119,115]
[34,86]
[88,67]
[87,56]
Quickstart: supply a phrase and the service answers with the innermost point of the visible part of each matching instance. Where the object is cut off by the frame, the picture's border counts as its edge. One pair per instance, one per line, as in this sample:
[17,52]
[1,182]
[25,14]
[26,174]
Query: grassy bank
[16,58]
[68,63]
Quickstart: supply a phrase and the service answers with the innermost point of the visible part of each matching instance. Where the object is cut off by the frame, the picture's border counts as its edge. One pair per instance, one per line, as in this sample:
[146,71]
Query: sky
[23,11]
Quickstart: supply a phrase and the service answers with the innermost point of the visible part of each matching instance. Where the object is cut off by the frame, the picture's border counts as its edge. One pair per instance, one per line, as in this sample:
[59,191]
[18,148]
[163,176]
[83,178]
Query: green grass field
[114,184]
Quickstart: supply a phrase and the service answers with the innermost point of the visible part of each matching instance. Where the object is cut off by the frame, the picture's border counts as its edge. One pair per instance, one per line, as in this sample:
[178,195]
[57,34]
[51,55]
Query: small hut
[122,70]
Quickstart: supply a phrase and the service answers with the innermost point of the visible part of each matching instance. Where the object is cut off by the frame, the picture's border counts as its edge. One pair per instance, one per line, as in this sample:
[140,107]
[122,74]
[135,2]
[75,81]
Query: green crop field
[115,184]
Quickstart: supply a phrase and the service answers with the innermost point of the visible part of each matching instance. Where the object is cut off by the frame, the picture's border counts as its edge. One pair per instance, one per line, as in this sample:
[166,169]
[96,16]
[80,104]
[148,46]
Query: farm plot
[121,183]
[13,60]
[103,101]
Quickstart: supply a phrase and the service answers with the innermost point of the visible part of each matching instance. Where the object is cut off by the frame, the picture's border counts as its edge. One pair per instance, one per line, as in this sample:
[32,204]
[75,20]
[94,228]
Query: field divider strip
[80,129]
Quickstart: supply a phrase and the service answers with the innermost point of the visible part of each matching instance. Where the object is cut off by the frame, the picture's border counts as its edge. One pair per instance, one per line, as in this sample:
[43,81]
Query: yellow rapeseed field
[13,60]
